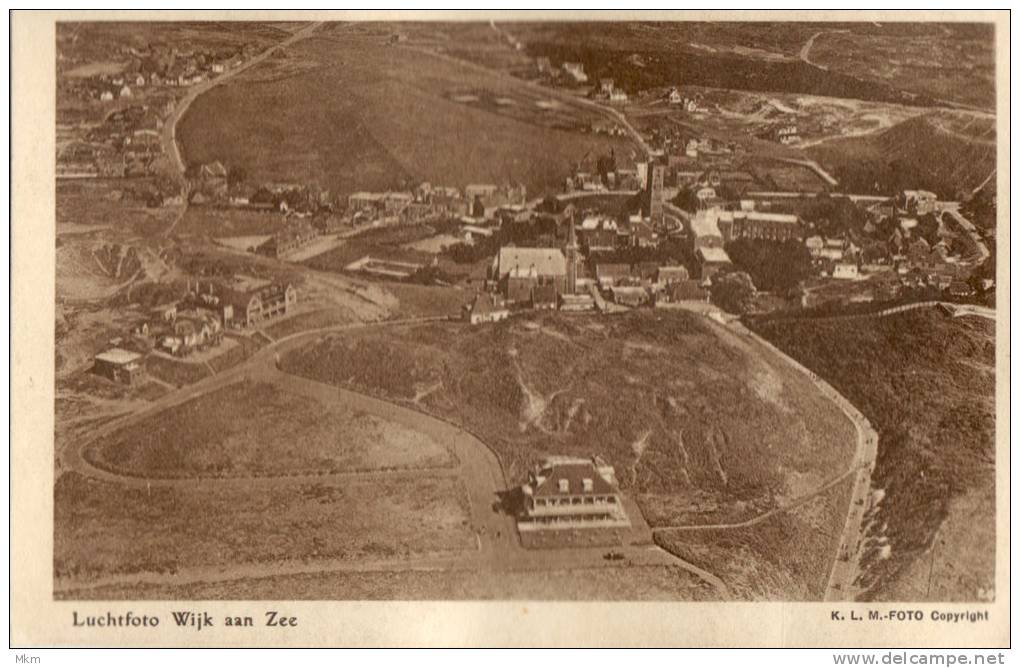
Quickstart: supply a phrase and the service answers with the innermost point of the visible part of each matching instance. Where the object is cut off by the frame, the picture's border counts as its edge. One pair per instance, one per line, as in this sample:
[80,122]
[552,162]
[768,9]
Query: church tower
[572,254]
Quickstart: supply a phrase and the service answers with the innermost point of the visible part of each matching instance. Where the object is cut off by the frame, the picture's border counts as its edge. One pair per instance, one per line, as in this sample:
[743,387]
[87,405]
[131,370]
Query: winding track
[806,49]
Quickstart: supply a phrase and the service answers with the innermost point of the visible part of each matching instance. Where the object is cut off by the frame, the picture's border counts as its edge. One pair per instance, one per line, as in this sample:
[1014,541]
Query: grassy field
[927,383]
[662,583]
[284,434]
[303,322]
[175,372]
[427,300]
[103,202]
[245,348]
[214,222]
[370,116]
[165,529]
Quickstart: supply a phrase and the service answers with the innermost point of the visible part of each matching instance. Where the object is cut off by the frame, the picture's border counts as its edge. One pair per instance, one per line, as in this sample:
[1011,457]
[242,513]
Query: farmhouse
[576,71]
[572,493]
[485,308]
[118,365]
[518,270]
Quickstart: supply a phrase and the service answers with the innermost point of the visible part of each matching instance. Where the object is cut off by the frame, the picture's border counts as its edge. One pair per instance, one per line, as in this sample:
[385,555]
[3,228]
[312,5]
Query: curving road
[169,136]
[170,123]
[844,571]
[498,548]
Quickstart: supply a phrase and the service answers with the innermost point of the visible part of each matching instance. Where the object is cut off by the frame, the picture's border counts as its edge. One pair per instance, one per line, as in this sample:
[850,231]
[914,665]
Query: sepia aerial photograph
[525,310]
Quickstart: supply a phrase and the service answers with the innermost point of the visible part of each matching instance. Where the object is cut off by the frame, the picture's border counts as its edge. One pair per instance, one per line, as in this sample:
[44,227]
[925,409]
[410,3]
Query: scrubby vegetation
[642,69]
[698,428]
[733,292]
[164,530]
[912,154]
[927,383]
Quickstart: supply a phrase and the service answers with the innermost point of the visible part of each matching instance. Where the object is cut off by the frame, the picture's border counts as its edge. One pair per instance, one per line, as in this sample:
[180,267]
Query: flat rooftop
[118,356]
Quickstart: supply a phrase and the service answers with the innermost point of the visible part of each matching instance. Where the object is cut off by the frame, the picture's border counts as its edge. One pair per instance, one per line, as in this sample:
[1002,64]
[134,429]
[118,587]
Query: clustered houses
[553,276]
[608,90]
[156,67]
[572,493]
[597,173]
[648,283]
[576,72]
[690,104]
[197,321]
[127,143]
[917,202]
[238,303]
[193,323]
[783,134]
[476,202]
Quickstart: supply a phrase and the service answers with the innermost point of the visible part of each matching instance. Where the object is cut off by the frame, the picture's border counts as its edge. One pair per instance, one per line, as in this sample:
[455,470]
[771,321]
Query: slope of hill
[927,382]
[922,152]
[700,427]
[349,111]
